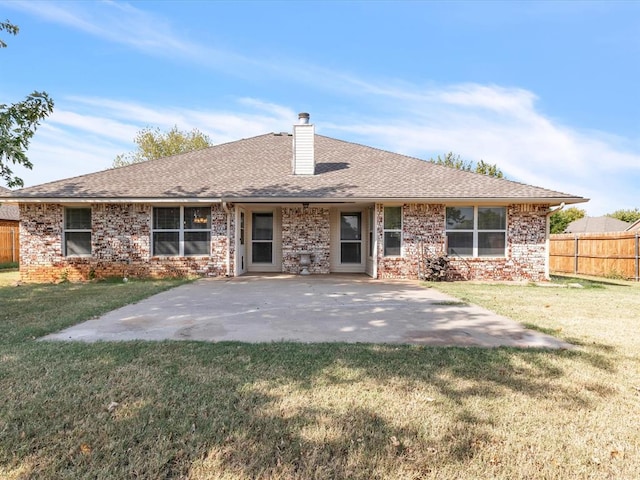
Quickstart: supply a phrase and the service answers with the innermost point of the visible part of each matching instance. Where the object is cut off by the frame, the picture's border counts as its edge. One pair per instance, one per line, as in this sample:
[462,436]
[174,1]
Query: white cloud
[86,133]
[124,24]
[498,124]
[503,126]
[113,21]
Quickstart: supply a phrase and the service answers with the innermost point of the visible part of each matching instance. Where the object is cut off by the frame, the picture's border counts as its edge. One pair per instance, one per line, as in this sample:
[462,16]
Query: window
[77,232]
[392,231]
[262,237]
[181,231]
[476,231]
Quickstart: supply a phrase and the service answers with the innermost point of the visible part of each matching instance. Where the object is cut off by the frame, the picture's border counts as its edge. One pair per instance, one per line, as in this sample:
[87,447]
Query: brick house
[290,203]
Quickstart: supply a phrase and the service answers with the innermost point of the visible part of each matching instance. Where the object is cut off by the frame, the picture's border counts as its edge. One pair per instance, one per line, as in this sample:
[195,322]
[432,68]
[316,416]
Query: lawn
[309,411]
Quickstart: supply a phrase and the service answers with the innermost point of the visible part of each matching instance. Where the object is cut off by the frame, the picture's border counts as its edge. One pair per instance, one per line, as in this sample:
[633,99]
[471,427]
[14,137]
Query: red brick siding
[121,236]
[120,243]
[306,229]
[526,247]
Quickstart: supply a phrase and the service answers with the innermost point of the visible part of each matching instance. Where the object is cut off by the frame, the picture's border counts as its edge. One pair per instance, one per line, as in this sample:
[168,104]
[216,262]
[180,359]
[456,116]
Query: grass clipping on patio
[295,411]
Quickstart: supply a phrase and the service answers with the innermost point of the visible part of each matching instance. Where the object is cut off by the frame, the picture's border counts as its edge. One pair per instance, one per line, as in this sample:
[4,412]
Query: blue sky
[546,90]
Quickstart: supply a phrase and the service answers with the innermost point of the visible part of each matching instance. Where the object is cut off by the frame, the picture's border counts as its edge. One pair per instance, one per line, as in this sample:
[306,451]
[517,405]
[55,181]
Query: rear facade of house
[262,204]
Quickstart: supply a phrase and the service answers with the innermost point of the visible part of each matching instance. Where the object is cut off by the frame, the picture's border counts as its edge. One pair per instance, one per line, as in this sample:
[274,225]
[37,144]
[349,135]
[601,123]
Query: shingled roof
[8,212]
[259,169]
[597,225]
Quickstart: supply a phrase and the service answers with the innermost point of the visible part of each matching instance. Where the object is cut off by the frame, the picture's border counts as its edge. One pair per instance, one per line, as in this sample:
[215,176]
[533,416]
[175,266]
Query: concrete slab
[332,308]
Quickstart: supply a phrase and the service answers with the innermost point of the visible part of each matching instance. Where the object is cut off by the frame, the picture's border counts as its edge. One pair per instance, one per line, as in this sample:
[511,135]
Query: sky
[548,91]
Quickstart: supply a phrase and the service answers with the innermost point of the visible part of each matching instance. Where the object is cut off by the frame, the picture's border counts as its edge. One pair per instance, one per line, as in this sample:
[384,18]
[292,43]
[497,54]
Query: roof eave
[444,200]
[9,200]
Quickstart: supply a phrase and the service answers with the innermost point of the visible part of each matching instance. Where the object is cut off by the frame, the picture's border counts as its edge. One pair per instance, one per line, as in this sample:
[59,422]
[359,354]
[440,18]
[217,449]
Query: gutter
[554,210]
[389,200]
[289,200]
[76,200]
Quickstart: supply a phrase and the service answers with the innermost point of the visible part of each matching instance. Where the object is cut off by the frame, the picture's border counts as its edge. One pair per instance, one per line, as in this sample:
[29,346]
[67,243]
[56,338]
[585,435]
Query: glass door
[351,237]
[262,237]
[241,264]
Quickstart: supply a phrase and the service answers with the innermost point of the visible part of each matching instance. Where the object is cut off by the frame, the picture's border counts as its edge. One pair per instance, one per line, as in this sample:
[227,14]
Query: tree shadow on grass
[279,410]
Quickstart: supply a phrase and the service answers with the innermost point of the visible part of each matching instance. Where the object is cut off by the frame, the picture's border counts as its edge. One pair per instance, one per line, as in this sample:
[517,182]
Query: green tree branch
[18,123]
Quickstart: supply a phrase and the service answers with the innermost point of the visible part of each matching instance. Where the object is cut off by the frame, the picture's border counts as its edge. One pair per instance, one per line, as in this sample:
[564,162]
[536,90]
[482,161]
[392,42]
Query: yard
[281,410]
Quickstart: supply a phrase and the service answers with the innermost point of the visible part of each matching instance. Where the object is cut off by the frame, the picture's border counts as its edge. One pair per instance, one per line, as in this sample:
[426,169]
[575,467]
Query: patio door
[350,238]
[262,238]
[241,251]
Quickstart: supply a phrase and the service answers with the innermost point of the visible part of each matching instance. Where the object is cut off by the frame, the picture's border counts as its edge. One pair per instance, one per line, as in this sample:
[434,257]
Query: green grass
[302,411]
[9,277]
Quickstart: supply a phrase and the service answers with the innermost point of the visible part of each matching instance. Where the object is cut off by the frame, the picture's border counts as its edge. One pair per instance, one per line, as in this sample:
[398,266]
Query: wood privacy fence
[9,244]
[614,255]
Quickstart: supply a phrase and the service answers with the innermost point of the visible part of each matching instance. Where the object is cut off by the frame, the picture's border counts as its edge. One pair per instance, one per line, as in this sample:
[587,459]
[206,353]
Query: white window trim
[66,230]
[475,230]
[181,231]
[385,230]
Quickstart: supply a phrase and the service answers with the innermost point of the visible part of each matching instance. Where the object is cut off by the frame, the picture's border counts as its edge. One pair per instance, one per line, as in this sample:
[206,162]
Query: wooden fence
[9,244]
[614,255]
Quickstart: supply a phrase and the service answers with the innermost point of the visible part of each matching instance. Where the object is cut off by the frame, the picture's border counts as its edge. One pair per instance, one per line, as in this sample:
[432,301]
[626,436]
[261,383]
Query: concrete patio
[328,308]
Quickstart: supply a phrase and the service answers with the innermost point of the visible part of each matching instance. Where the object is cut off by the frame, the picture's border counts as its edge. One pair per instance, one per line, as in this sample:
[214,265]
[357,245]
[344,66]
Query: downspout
[226,209]
[548,239]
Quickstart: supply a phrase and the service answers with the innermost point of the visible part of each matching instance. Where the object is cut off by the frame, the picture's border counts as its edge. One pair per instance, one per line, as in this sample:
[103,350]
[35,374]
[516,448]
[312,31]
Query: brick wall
[120,244]
[526,249]
[306,229]
[424,224]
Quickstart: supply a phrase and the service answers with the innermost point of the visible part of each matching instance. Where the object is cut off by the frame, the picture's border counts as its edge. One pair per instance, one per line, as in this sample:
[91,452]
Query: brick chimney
[304,162]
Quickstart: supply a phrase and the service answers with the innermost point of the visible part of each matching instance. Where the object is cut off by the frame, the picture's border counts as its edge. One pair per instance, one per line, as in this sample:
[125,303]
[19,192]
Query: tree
[18,123]
[153,143]
[489,169]
[454,161]
[630,216]
[559,220]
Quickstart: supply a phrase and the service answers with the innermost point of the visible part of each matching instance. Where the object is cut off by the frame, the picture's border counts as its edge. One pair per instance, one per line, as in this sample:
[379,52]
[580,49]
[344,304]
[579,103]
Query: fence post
[637,255]
[13,245]
[575,255]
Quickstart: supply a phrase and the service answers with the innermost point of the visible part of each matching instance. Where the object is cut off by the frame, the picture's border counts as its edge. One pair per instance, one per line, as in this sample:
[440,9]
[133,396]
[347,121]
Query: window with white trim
[476,231]
[392,231]
[181,231]
[77,232]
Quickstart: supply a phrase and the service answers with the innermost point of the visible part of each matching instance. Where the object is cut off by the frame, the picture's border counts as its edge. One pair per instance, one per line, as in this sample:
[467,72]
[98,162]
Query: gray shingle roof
[260,168]
[635,226]
[8,212]
[597,225]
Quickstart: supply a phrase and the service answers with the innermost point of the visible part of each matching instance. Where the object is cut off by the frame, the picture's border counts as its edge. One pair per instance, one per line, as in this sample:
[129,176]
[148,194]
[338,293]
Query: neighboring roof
[634,227]
[596,225]
[8,212]
[259,169]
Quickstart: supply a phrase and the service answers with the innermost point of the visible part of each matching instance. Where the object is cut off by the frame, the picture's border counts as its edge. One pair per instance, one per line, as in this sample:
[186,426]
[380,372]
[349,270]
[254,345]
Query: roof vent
[303,118]
[304,162]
